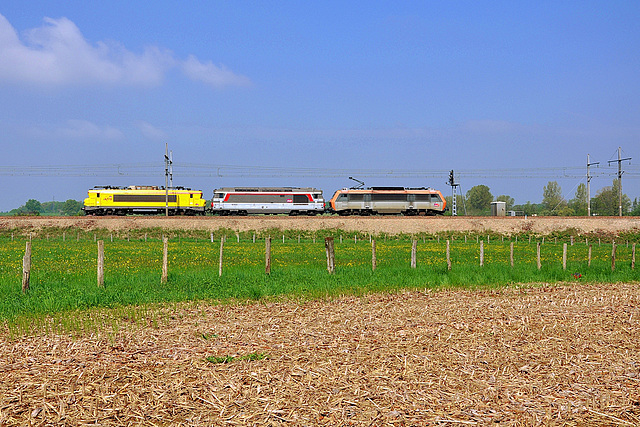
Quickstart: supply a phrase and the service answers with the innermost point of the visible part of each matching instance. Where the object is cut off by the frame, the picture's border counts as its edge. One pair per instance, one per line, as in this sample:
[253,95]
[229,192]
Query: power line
[147,170]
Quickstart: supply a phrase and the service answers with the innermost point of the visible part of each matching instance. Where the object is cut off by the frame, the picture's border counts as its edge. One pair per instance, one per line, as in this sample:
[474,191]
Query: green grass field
[63,276]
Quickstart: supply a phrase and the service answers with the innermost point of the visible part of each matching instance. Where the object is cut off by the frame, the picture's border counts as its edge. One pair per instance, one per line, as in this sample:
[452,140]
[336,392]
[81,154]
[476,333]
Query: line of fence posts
[374,260]
[267,255]
[331,259]
[165,257]
[613,256]
[330,254]
[26,267]
[100,272]
[220,262]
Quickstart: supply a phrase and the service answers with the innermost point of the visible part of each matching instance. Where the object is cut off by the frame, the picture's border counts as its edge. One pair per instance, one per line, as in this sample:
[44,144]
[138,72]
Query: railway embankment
[610,226]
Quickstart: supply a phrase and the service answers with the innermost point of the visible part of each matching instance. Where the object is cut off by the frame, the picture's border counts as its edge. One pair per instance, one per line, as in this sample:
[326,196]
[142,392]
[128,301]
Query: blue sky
[477,87]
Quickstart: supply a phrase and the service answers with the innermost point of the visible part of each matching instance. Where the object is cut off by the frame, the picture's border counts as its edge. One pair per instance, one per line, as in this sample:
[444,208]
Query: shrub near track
[63,276]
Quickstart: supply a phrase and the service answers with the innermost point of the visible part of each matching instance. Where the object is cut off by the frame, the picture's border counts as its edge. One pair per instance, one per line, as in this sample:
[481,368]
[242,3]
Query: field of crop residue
[525,356]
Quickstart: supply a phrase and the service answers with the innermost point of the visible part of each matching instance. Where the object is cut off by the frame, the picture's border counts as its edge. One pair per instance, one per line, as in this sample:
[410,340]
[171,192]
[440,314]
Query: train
[267,200]
[110,200]
[388,200]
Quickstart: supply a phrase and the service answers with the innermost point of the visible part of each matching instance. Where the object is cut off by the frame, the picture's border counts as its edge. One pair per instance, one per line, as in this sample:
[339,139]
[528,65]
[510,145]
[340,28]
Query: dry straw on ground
[529,356]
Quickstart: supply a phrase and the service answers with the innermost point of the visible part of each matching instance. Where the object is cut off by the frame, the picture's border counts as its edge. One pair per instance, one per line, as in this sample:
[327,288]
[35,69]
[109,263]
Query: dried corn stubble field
[528,356]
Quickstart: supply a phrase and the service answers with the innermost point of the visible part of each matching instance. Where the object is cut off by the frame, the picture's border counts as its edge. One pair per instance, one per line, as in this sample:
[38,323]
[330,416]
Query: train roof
[369,189]
[267,190]
[136,187]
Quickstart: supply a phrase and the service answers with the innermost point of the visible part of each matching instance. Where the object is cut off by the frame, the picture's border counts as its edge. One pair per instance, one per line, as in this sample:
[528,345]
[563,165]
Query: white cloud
[150,131]
[212,74]
[58,54]
[82,129]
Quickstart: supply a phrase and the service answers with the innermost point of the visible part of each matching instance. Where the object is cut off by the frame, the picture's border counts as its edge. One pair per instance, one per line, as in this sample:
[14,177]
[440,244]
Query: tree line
[477,201]
[34,207]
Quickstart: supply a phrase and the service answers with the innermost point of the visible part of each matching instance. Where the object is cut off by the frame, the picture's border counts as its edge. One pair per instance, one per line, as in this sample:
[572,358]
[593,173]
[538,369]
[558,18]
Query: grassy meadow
[64,277]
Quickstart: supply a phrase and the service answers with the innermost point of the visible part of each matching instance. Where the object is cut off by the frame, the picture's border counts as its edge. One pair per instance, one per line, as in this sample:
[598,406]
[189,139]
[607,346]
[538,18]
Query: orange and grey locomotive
[388,200]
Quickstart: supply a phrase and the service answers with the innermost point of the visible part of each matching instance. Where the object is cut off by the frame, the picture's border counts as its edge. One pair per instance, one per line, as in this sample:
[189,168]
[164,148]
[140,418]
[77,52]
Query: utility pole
[167,163]
[454,185]
[589,185]
[620,160]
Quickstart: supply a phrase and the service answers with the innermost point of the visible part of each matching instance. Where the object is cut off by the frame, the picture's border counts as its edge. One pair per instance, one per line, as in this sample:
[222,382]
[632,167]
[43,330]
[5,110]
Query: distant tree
[552,200]
[33,206]
[509,201]
[607,200]
[479,199]
[635,208]
[71,207]
[579,202]
[529,208]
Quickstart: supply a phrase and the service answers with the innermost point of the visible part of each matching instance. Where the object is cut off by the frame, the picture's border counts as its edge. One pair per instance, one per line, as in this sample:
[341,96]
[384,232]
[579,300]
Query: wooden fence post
[267,255]
[613,256]
[26,267]
[374,260]
[564,256]
[571,240]
[254,237]
[633,256]
[100,263]
[589,262]
[414,246]
[448,256]
[511,253]
[481,253]
[538,256]
[328,246]
[220,262]
[165,257]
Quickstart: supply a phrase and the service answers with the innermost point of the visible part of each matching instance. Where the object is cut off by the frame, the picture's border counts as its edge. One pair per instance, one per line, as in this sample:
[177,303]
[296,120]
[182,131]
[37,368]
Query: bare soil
[373,225]
[547,355]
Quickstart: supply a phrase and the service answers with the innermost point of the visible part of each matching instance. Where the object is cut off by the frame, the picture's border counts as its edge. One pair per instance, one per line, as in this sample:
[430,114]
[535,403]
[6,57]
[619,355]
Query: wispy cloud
[82,129]
[58,54]
[151,132]
[212,74]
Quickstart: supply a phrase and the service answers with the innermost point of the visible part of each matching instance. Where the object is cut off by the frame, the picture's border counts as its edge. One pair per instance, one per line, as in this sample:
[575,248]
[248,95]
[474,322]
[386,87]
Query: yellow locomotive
[108,200]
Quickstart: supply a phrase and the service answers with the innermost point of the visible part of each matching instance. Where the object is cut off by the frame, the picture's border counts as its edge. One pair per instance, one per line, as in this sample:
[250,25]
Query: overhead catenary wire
[249,171]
